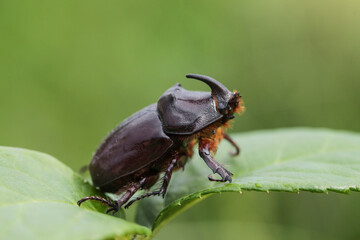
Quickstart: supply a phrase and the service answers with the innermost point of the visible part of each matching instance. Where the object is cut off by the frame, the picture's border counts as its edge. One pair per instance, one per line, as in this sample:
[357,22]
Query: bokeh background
[70,71]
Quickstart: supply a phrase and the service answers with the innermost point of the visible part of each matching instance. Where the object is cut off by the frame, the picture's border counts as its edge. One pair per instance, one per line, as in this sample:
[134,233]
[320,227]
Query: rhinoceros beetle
[160,138]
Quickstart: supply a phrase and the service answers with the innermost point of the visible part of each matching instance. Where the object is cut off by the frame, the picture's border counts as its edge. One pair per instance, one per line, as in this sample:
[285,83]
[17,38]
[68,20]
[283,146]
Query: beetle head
[227,102]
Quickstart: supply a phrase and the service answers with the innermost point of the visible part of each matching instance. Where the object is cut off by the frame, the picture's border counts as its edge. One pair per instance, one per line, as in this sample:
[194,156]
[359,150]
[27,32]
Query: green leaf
[38,201]
[290,160]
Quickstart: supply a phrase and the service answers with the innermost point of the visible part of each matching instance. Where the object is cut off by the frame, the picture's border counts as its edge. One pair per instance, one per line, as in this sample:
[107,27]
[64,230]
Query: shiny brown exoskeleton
[160,138]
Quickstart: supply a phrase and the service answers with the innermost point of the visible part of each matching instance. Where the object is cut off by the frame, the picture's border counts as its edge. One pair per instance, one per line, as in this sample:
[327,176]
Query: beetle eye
[223,111]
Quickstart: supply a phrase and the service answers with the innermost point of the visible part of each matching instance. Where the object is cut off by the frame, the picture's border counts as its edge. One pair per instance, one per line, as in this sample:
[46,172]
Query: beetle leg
[228,138]
[95,198]
[141,197]
[212,164]
[117,205]
[167,176]
[128,194]
[164,185]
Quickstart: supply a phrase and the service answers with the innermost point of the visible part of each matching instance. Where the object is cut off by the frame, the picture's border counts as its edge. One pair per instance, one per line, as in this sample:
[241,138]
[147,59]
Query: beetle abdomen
[138,141]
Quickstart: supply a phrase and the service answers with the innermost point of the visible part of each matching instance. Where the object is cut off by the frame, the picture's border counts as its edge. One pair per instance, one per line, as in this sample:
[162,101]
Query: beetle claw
[228,178]
[224,173]
[228,172]
[233,154]
[223,179]
[210,177]
[115,209]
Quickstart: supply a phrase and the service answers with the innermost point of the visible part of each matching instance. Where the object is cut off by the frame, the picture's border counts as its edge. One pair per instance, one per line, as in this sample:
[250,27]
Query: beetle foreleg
[164,185]
[228,138]
[212,164]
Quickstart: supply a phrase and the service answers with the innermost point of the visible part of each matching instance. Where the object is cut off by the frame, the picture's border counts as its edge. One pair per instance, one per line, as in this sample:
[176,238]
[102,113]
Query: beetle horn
[223,95]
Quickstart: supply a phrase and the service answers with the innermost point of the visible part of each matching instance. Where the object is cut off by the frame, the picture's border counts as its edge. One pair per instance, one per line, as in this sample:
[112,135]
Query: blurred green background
[70,71]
